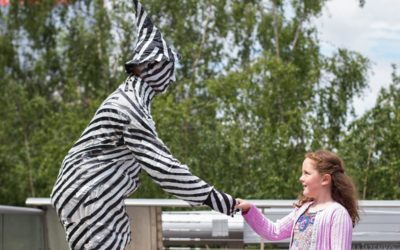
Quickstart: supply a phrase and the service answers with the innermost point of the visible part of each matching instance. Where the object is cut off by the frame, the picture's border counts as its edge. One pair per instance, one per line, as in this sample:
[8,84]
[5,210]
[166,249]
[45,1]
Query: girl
[325,213]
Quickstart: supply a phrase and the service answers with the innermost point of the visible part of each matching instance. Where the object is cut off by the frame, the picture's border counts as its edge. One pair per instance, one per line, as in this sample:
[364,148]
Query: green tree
[253,94]
[371,147]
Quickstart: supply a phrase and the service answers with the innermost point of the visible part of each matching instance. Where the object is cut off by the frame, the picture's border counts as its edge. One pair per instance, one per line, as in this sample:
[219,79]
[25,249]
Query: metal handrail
[19,210]
[35,202]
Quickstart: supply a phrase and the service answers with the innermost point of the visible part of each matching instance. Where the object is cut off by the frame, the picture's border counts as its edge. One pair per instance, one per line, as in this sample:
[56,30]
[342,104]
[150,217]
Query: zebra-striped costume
[103,166]
[152,53]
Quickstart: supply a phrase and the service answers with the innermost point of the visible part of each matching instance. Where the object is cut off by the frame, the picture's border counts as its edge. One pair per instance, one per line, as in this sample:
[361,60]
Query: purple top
[333,226]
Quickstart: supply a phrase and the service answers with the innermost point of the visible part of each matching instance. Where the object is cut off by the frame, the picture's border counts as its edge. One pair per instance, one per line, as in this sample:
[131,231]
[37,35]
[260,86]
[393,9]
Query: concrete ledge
[380,223]
[19,210]
[40,202]
[364,204]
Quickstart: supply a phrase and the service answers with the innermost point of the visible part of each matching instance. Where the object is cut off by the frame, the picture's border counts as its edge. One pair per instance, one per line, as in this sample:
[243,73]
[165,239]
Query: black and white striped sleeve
[172,176]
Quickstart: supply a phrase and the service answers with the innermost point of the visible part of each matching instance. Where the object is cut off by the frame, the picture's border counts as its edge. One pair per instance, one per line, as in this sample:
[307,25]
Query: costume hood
[152,55]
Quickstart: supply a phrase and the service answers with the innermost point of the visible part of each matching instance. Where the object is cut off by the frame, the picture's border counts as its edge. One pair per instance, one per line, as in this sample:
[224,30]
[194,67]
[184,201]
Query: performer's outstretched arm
[172,176]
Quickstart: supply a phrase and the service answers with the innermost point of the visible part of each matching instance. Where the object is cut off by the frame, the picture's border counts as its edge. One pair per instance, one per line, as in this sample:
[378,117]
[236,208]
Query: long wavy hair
[343,189]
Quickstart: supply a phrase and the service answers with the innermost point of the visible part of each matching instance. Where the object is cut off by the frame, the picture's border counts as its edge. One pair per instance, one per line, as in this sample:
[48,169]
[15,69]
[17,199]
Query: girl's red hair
[343,190]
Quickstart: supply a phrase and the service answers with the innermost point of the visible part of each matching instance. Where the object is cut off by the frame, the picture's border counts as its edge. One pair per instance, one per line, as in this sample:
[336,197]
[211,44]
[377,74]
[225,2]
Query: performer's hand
[243,205]
[215,200]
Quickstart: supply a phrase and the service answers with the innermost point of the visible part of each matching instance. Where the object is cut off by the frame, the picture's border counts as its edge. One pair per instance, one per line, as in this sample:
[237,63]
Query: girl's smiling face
[311,179]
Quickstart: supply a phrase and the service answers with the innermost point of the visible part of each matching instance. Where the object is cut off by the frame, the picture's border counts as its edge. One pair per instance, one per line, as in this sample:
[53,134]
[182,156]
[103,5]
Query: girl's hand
[243,205]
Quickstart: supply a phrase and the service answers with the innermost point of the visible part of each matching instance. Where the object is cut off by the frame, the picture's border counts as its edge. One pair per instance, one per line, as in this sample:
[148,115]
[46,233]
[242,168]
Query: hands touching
[242,205]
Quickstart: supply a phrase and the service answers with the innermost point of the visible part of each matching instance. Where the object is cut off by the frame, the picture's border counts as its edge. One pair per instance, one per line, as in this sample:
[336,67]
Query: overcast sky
[373,30]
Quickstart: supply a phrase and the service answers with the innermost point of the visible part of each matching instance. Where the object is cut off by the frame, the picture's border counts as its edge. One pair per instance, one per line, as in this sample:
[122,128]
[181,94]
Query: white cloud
[373,31]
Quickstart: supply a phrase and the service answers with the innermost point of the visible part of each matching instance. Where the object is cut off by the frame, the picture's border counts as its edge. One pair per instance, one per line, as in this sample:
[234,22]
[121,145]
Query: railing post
[145,222]
[1,232]
[55,234]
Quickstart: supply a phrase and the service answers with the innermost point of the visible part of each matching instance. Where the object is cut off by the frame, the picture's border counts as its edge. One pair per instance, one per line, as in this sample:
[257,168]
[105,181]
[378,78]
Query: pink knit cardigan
[332,229]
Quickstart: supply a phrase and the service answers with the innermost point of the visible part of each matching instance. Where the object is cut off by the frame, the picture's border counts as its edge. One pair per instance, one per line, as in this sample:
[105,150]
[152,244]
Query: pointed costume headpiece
[152,55]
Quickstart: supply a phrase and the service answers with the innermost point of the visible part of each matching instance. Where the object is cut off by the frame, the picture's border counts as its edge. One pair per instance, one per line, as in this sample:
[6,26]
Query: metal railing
[153,228]
[21,228]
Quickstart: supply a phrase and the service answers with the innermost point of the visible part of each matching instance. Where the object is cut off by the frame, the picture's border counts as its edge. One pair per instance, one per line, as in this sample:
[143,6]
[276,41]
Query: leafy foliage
[254,93]
[371,145]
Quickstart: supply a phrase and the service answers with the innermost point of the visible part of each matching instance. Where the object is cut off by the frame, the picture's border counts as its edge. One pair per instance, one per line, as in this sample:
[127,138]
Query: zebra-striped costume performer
[103,166]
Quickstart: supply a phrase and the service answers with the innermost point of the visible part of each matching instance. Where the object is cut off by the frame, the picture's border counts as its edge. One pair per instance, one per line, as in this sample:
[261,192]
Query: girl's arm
[267,229]
[341,230]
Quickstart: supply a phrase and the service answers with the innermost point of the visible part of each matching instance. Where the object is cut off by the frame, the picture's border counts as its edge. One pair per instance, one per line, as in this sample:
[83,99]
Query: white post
[146,228]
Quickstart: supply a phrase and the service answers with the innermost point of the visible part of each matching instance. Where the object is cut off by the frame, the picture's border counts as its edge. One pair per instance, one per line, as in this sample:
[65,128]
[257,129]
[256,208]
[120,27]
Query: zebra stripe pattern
[103,166]
[152,53]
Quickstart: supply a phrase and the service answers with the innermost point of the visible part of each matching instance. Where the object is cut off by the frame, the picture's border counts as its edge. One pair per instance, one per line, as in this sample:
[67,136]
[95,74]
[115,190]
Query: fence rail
[153,228]
[21,228]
